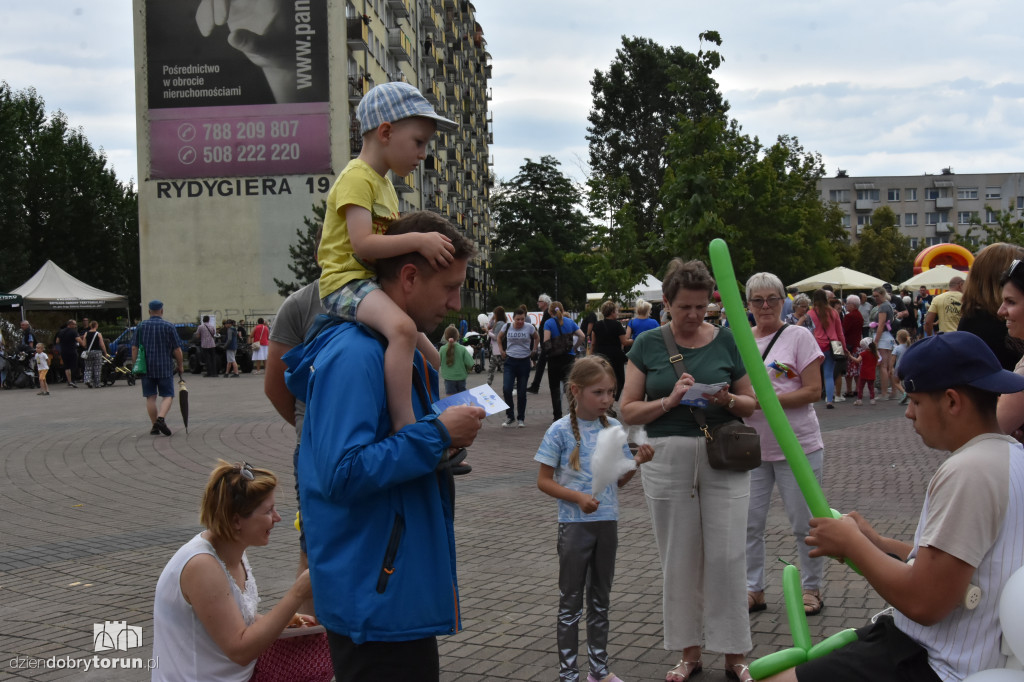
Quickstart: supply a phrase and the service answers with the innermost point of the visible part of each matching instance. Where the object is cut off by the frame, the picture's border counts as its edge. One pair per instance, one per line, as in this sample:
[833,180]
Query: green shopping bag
[140,361]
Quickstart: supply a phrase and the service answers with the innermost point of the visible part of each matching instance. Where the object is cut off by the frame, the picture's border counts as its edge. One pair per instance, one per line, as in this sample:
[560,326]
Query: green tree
[635,104]
[1008,228]
[60,201]
[303,252]
[882,251]
[539,233]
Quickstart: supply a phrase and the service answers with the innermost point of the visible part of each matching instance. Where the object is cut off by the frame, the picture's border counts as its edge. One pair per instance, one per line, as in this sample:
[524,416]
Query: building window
[993,192]
[909,219]
[964,217]
[897,221]
[840,196]
[967,193]
[1020,203]
[932,241]
[913,243]
[932,193]
[845,221]
[869,194]
[892,195]
[991,216]
[910,194]
[936,217]
[863,220]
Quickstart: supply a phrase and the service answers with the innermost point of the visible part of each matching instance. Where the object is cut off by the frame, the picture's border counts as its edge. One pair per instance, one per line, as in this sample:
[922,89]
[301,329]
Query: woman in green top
[699,514]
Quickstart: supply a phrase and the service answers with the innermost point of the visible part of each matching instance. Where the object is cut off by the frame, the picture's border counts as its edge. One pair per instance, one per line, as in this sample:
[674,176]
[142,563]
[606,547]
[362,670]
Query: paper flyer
[478,396]
[695,396]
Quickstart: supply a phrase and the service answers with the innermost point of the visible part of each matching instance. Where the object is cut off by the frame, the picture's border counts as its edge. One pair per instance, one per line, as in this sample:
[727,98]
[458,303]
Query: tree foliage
[539,232]
[60,201]
[675,172]
[882,250]
[635,105]
[303,252]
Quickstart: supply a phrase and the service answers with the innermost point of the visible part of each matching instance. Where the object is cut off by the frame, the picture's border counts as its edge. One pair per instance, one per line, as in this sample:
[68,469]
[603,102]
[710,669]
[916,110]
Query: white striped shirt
[973,510]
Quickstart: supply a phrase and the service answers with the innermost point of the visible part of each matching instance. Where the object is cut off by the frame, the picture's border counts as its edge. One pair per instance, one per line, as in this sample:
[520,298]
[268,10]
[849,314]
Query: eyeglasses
[759,302]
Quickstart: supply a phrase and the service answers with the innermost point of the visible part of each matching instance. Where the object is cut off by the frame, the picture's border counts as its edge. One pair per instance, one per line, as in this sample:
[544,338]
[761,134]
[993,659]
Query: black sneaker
[533,390]
[161,426]
[155,431]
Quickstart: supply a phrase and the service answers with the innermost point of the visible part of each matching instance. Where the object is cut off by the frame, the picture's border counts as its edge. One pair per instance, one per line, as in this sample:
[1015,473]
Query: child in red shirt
[868,361]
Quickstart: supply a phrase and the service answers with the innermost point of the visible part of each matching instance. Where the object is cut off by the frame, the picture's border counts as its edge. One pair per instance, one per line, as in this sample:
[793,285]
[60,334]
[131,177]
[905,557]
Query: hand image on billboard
[260,30]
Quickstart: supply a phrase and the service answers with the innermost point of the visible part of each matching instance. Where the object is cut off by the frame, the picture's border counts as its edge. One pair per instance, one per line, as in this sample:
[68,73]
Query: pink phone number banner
[231,141]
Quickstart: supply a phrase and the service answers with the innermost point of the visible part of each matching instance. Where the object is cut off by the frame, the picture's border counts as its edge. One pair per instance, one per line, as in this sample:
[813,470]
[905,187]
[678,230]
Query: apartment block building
[438,46]
[928,208]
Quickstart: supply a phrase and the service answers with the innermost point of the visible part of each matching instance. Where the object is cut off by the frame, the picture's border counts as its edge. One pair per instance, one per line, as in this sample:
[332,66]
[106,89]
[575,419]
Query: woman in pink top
[260,345]
[793,359]
[827,328]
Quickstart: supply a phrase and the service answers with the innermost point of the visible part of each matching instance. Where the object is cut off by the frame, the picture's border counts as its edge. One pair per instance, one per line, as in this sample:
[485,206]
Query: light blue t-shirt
[555,450]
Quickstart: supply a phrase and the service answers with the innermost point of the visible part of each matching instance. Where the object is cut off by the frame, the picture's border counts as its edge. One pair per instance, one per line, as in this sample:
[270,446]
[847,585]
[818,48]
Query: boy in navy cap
[965,535]
[396,122]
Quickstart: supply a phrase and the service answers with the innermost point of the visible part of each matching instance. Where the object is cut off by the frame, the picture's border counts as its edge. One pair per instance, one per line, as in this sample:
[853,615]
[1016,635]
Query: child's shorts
[42,374]
[344,301]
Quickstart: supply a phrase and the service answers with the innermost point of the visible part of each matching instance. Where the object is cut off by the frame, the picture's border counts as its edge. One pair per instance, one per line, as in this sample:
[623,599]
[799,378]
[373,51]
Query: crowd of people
[375,465]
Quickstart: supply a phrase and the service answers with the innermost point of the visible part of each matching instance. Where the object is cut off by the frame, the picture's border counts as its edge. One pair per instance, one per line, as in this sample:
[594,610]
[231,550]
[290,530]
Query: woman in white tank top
[204,613]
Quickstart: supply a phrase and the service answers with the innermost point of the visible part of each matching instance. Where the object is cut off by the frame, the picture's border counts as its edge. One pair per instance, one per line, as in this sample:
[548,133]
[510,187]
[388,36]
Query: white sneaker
[508,423]
[521,424]
[840,399]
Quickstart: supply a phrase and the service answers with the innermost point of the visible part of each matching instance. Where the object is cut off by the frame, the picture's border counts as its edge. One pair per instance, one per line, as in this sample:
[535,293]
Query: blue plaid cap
[390,102]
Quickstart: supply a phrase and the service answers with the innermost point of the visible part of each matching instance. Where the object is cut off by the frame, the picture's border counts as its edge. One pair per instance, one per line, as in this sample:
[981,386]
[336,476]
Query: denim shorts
[344,301]
[152,385]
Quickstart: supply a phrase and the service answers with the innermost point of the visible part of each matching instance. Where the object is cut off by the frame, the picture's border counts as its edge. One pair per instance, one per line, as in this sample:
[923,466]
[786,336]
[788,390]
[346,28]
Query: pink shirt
[796,349]
[834,331]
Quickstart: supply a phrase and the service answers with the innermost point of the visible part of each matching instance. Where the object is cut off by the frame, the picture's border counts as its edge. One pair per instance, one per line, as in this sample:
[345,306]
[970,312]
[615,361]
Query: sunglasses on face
[759,302]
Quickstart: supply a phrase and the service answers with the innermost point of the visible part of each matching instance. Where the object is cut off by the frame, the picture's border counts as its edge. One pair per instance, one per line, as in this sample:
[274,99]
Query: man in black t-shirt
[543,301]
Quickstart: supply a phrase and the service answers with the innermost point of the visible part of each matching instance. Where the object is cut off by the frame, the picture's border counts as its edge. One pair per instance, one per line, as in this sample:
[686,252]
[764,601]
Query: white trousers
[699,516]
[762,480]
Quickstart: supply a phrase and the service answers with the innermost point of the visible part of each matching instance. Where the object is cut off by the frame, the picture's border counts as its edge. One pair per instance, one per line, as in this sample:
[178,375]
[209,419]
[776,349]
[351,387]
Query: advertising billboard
[237,88]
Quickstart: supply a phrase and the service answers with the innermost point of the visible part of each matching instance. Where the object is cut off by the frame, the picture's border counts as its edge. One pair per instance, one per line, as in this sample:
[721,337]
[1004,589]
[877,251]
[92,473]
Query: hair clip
[245,469]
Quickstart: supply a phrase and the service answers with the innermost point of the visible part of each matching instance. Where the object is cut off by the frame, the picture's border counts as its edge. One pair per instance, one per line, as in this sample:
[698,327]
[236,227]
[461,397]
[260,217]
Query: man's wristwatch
[732,403]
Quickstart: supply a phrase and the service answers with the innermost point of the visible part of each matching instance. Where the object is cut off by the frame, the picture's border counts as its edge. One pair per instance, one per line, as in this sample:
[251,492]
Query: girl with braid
[587,523]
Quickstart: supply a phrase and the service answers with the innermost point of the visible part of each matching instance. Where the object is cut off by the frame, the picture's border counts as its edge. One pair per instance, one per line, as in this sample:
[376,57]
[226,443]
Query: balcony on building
[358,86]
[944,203]
[399,8]
[943,228]
[864,204]
[431,167]
[404,184]
[358,33]
[429,54]
[399,45]
[428,19]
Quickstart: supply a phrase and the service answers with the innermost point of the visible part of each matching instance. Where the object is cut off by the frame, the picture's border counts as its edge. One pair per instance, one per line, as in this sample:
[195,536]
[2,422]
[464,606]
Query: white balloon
[1011,614]
[996,675]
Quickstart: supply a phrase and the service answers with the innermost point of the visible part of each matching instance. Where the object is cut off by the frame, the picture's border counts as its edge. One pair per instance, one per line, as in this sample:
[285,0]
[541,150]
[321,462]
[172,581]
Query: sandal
[740,672]
[684,670]
[755,602]
[812,602]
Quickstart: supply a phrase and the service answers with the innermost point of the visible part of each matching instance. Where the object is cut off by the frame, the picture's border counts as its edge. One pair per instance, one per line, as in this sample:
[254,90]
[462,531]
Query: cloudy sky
[877,88]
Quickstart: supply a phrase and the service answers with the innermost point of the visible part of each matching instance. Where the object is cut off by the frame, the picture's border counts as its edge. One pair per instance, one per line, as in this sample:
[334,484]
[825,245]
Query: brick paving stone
[93,507]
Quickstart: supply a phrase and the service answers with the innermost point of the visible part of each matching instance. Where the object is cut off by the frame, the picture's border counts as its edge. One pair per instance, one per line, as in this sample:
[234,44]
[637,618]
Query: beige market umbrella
[841,278]
[934,278]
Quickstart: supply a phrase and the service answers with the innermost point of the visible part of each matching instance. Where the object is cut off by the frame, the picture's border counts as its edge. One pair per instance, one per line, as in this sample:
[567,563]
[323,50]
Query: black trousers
[415,660]
[538,372]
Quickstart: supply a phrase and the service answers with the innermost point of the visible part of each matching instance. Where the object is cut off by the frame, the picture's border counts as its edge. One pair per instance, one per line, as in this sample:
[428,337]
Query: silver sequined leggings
[586,559]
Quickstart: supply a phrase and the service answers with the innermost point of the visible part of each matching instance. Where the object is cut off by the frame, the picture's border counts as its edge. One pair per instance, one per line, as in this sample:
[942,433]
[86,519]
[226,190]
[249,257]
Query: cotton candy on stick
[608,462]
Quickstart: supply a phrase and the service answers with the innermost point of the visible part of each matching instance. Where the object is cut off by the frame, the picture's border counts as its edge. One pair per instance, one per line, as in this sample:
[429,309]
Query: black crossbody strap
[764,355]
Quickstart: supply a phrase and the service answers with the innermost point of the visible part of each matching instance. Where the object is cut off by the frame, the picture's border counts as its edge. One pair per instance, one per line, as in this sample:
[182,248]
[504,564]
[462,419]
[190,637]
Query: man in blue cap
[944,587]
[159,340]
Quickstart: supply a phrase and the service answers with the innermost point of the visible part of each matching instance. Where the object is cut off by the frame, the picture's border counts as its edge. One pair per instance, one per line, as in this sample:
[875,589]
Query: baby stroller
[477,343]
[117,366]
[20,371]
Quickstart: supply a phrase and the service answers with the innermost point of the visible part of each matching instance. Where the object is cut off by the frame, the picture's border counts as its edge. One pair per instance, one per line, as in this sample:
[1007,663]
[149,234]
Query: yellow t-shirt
[946,307]
[358,185]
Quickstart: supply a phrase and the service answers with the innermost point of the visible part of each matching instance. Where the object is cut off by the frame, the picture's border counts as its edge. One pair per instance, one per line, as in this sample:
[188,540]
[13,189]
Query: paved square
[93,507]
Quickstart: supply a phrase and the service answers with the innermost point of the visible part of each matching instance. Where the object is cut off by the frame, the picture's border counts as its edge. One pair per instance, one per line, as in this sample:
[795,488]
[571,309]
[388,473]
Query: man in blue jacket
[378,507]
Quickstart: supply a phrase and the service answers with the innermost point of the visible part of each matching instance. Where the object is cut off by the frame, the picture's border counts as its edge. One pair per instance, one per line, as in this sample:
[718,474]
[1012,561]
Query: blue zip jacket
[377,516]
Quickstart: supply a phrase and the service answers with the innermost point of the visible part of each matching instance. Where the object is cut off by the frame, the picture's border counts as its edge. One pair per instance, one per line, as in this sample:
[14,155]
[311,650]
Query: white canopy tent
[51,288]
[648,289]
[841,278]
[934,278]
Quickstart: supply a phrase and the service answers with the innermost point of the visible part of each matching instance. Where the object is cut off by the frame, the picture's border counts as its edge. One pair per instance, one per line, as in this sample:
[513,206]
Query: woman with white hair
[792,357]
[853,324]
[640,323]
